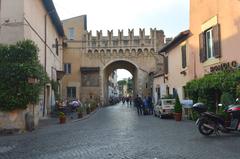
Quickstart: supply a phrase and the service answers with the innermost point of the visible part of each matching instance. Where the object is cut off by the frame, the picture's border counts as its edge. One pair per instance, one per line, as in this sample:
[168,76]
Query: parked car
[164,107]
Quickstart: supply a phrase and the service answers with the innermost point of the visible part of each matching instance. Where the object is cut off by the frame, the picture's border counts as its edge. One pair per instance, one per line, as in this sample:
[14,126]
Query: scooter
[209,122]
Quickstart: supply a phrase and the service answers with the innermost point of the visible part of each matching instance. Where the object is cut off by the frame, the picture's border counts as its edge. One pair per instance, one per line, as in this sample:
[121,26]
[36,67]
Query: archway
[119,64]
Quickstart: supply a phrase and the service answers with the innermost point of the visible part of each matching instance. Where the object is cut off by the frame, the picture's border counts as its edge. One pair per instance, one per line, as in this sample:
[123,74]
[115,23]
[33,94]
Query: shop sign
[224,66]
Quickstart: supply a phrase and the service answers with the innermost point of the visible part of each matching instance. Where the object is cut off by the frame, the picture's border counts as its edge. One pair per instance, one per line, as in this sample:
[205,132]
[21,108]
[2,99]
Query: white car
[165,107]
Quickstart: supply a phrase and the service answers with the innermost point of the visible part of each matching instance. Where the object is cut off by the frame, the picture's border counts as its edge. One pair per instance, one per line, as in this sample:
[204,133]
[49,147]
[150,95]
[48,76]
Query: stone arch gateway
[119,64]
[90,59]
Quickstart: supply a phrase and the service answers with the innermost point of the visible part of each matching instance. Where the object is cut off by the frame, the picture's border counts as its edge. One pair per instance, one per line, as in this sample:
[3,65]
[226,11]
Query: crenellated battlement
[154,40]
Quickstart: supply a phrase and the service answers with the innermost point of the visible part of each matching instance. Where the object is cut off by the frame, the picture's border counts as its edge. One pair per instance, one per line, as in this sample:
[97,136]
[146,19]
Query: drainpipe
[45,56]
[45,60]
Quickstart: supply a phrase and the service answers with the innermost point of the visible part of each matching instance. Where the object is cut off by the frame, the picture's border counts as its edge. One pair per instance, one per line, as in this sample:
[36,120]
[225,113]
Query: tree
[18,64]
[209,88]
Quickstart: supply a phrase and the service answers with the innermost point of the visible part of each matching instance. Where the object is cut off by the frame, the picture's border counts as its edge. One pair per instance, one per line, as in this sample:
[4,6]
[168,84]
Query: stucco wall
[15,28]
[175,78]
[11,20]
[77,54]
[228,16]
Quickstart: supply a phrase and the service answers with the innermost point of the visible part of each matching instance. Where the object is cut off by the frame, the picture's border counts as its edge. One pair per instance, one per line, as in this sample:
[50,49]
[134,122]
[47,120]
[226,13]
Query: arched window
[133,51]
[139,50]
[102,51]
[120,50]
[145,50]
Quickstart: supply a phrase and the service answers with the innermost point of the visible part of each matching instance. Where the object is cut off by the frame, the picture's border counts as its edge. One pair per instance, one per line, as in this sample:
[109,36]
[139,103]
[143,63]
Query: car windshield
[168,102]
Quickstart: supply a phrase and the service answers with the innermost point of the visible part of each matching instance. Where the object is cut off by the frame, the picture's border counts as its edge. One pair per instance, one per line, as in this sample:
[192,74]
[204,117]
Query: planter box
[178,116]
[80,115]
[62,120]
[13,120]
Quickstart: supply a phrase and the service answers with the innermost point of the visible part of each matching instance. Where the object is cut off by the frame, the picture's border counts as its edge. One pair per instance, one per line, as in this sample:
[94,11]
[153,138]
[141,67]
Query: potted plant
[80,112]
[62,118]
[178,110]
[88,109]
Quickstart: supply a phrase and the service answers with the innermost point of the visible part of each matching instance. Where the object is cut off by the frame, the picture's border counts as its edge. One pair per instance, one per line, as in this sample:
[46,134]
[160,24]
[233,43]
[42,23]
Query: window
[56,43]
[158,93]
[67,68]
[184,56]
[165,64]
[71,92]
[71,33]
[167,90]
[175,93]
[209,43]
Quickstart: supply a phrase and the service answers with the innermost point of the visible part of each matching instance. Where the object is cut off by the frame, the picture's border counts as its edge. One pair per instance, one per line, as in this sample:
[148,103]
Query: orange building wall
[228,16]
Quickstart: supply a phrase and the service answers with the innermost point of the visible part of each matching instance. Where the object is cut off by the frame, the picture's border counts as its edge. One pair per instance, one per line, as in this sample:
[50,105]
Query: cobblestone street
[118,132]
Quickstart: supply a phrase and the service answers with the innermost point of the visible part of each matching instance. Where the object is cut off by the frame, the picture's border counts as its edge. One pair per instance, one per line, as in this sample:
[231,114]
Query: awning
[89,69]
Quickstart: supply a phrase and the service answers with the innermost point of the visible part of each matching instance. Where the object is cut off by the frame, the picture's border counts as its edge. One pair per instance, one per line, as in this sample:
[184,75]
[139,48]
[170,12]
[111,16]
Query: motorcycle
[209,122]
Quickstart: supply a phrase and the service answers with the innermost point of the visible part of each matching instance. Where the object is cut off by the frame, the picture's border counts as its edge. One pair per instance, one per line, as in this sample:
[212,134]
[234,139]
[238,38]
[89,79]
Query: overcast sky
[171,16]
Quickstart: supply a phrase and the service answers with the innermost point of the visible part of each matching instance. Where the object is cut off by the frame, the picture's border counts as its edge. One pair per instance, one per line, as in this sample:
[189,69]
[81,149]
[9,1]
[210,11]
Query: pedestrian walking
[138,104]
[145,106]
[150,104]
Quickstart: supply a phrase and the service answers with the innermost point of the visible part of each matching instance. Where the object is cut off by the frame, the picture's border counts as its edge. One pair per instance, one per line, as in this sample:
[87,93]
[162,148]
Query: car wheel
[160,115]
[154,113]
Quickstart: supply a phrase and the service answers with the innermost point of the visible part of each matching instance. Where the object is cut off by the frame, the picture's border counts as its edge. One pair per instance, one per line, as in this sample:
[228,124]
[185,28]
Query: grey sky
[169,15]
[172,16]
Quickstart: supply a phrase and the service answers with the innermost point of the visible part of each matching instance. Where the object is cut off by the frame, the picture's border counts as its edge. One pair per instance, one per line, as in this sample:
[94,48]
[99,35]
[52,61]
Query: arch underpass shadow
[119,64]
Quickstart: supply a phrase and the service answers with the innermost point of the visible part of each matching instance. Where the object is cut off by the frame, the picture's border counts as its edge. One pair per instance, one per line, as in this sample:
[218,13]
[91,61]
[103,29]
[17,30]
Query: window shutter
[56,43]
[65,68]
[184,58]
[216,41]
[166,65]
[202,48]
[69,68]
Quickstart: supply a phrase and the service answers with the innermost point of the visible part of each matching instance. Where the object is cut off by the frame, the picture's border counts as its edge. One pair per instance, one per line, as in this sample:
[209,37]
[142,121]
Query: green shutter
[166,65]
[202,47]
[216,41]
[184,56]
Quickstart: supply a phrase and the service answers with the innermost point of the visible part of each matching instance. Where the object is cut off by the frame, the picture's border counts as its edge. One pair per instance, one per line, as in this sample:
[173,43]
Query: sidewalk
[70,118]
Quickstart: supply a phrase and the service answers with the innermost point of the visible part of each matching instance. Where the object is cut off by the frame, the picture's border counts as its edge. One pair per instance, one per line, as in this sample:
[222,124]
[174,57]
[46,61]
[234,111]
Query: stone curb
[87,116]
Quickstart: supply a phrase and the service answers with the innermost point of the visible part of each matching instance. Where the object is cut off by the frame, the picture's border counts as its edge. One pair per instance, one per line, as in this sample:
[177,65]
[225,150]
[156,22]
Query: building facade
[177,68]
[38,21]
[215,34]
[89,60]
[113,91]
[211,46]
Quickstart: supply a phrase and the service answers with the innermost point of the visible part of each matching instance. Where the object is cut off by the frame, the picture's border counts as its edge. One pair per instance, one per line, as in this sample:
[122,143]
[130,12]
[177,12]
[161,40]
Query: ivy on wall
[18,63]
[209,88]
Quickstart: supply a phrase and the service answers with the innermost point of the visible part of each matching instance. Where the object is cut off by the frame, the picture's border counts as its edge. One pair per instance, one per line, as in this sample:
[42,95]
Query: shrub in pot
[80,112]
[62,118]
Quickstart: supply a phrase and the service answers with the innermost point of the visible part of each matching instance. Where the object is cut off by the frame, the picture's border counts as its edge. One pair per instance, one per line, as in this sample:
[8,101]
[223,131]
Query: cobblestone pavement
[117,132]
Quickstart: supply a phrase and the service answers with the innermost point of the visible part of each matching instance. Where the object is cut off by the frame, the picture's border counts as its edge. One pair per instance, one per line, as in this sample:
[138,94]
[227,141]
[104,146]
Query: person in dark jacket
[150,104]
